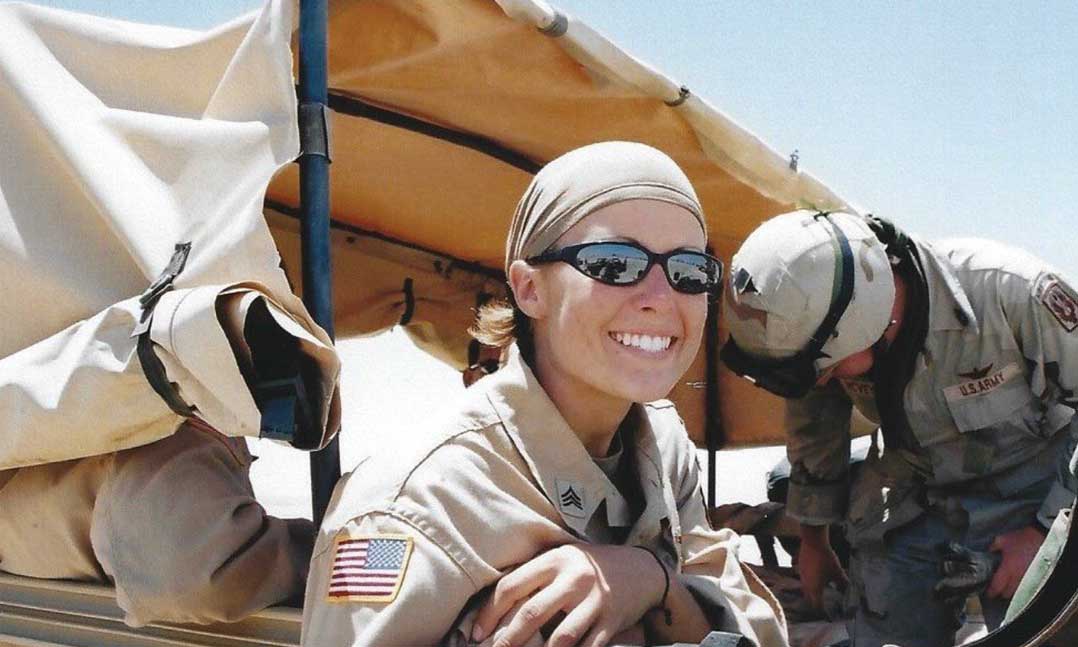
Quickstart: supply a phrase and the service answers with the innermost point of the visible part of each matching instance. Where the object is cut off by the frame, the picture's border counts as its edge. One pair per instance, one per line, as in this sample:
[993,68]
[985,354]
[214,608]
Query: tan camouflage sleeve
[1044,318]
[818,446]
[178,529]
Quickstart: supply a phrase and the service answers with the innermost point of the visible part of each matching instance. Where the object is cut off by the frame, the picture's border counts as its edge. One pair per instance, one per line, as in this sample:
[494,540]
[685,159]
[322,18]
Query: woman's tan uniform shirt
[408,540]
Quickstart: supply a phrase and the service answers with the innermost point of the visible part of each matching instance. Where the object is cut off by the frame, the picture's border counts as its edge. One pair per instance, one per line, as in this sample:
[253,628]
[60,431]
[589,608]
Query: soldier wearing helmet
[965,352]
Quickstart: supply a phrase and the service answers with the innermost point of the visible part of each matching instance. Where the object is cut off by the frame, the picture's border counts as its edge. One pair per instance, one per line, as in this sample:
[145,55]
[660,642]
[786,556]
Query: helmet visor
[790,377]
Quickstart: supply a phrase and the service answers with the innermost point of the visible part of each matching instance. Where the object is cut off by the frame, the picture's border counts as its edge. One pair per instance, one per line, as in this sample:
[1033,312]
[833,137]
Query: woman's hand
[602,590]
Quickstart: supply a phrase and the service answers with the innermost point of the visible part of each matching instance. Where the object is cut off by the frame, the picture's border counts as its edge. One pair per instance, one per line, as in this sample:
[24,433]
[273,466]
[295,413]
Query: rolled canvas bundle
[120,142]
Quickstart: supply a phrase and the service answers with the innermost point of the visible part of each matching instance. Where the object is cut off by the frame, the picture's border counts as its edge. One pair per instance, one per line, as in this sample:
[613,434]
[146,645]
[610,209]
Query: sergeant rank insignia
[570,498]
[368,568]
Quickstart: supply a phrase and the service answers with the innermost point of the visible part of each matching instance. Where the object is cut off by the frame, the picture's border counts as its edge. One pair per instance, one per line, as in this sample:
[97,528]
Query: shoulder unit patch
[1060,302]
[368,568]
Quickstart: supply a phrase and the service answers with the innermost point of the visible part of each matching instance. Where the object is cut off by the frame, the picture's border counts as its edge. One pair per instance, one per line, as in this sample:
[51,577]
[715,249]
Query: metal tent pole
[314,208]
[714,433]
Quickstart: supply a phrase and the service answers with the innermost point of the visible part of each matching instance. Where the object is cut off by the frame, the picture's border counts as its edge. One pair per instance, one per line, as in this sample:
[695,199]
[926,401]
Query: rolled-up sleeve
[178,529]
[818,447]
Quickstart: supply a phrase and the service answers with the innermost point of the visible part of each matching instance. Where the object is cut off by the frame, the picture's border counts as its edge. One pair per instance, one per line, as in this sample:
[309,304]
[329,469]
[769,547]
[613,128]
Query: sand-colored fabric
[173,524]
[504,464]
[90,371]
[587,179]
[380,284]
[485,69]
[119,142]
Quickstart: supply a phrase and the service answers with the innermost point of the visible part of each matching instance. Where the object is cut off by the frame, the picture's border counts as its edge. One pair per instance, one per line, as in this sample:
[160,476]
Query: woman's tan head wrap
[584,180]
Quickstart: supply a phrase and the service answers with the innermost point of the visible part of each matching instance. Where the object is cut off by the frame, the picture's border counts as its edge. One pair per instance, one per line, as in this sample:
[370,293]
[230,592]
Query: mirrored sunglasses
[624,263]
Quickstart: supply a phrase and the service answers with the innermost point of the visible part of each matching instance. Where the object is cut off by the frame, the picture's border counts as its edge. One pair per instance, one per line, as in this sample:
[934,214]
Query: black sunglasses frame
[569,253]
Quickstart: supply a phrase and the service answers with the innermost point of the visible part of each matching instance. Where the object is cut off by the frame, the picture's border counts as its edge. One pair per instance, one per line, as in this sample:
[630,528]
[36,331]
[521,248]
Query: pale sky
[953,119]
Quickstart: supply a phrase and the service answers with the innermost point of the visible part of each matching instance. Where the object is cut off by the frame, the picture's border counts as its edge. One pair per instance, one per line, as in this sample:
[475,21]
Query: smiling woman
[601,347]
[553,506]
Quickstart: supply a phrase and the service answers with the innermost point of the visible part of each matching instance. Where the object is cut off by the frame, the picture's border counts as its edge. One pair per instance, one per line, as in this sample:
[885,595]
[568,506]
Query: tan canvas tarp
[491,79]
[117,142]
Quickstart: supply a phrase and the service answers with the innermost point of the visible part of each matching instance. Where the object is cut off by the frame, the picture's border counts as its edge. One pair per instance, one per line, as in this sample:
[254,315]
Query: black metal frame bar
[714,434]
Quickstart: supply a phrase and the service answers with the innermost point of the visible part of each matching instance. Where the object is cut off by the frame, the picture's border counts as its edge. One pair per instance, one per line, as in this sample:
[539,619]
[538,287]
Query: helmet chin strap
[879,350]
[841,290]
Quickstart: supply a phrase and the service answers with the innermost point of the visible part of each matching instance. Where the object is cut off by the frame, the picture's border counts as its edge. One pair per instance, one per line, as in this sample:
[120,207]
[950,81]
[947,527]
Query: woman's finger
[528,618]
[574,629]
[515,586]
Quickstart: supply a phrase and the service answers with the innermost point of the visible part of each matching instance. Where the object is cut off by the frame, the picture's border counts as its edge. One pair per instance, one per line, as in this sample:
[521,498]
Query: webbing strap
[315,137]
[841,289]
[409,302]
[152,367]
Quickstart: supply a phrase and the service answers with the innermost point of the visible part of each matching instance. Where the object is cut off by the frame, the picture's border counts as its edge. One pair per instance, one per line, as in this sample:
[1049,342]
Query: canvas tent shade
[442,111]
[115,178]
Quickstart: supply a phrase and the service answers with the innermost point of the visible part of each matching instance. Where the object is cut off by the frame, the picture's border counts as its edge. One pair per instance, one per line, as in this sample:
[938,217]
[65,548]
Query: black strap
[409,302]
[841,290]
[152,367]
[155,374]
[163,282]
[894,365]
[667,616]
[314,133]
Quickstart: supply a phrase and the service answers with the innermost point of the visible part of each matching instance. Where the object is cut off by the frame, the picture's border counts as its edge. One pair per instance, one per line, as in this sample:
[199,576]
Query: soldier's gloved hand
[964,572]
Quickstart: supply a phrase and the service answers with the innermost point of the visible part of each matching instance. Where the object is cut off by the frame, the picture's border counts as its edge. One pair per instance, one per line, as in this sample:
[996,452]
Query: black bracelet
[667,616]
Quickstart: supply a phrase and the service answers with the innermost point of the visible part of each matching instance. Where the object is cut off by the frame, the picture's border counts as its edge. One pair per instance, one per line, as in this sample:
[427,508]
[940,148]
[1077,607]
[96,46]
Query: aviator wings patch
[977,373]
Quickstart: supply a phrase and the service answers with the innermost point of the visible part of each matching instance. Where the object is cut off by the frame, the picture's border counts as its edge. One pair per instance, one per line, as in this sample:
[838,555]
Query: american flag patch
[368,569]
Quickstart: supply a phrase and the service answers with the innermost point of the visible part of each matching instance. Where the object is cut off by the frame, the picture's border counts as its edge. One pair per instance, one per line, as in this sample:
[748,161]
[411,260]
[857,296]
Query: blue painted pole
[314,209]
